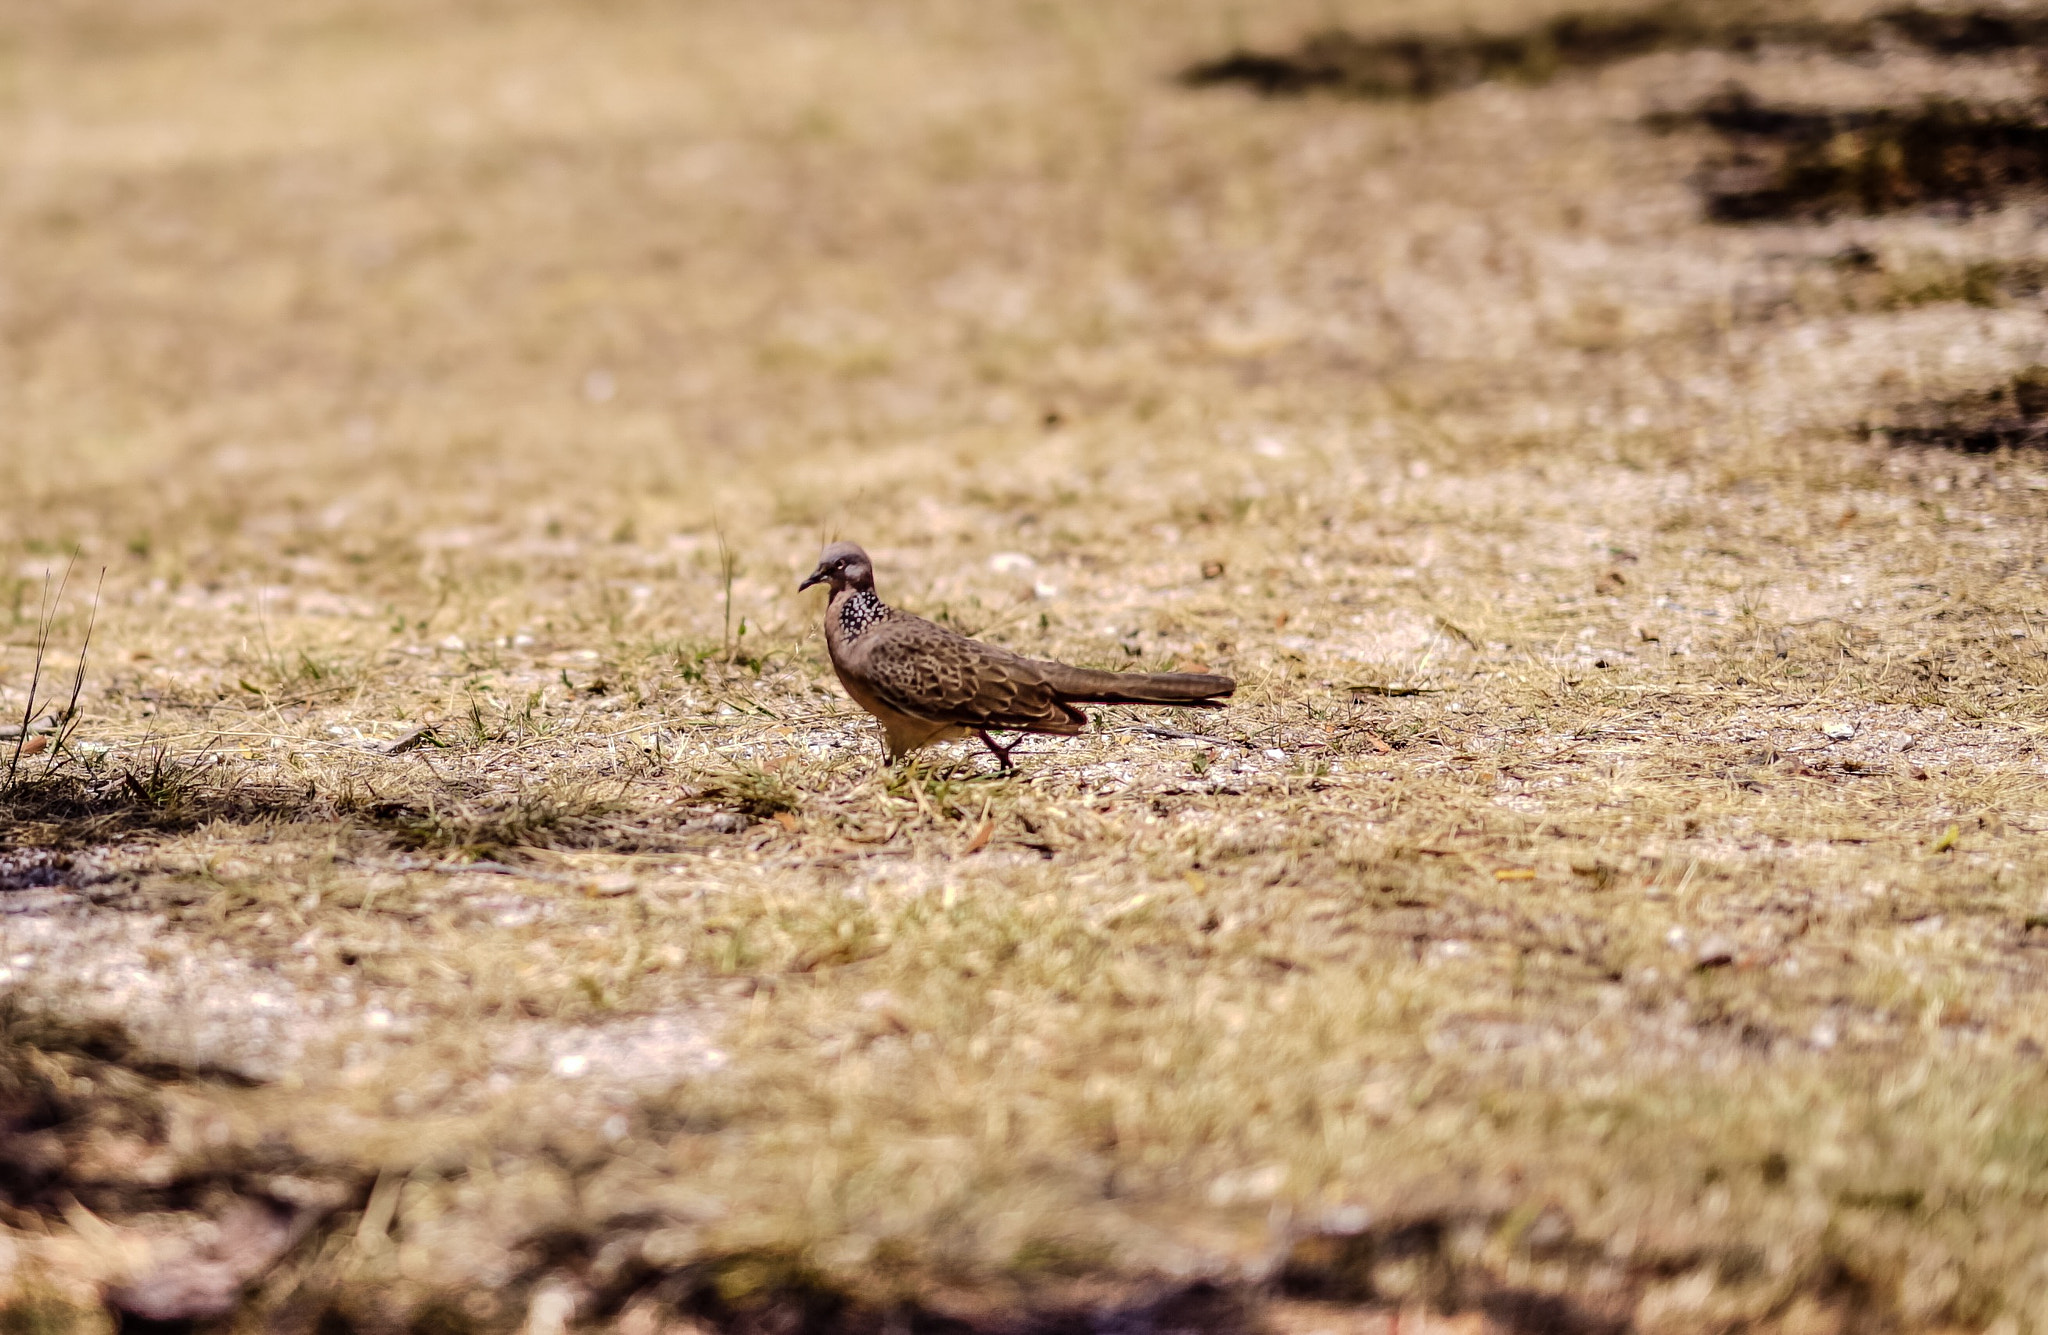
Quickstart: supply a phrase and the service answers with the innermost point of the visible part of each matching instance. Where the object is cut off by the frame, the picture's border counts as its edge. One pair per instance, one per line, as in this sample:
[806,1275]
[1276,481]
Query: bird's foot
[1002,753]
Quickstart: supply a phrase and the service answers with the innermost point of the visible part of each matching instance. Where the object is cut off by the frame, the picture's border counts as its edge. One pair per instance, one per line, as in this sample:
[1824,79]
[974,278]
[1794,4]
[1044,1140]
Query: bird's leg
[1002,753]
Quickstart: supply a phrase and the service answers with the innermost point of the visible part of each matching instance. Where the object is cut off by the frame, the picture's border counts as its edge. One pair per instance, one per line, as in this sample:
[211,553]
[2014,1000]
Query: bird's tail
[1087,686]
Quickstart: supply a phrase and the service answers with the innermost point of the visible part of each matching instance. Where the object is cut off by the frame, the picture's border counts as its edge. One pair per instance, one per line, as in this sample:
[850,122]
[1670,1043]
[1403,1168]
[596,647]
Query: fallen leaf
[34,745]
[788,821]
[981,837]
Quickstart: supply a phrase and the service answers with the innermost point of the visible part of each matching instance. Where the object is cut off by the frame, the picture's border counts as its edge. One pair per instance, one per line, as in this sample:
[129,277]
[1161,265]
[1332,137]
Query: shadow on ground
[2010,415]
[1799,164]
[1415,65]
[122,1151]
[70,805]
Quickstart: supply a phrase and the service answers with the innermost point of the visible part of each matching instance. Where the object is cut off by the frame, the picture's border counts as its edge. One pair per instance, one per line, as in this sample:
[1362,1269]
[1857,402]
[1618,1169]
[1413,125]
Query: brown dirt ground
[1614,899]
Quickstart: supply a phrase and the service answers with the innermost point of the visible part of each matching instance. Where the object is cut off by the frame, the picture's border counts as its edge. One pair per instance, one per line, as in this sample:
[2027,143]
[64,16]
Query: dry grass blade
[45,619]
[69,715]
[751,791]
[558,816]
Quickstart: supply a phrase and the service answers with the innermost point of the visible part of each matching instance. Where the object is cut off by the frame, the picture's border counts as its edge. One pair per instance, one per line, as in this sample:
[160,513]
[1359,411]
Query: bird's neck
[854,610]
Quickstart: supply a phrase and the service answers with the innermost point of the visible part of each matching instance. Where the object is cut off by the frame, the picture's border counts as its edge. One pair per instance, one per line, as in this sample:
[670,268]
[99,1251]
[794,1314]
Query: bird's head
[843,566]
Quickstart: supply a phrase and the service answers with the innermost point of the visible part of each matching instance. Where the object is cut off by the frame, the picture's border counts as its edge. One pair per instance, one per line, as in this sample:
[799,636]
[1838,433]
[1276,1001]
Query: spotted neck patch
[860,610]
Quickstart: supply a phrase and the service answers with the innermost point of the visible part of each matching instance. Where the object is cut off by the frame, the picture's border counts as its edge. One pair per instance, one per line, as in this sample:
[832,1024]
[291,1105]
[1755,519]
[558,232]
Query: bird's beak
[818,576]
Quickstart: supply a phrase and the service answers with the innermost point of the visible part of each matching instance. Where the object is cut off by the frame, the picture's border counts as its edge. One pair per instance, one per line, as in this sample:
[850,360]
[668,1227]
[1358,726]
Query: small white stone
[551,1308]
[1263,1184]
[377,1019]
[1346,1220]
[1839,732]
[1005,562]
[1275,753]
[571,1064]
[453,644]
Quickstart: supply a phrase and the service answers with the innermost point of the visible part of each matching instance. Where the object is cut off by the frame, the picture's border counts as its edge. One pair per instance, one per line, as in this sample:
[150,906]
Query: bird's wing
[929,672]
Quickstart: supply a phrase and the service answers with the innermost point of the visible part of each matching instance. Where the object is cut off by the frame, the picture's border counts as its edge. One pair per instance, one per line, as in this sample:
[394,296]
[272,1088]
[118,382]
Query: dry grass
[1612,900]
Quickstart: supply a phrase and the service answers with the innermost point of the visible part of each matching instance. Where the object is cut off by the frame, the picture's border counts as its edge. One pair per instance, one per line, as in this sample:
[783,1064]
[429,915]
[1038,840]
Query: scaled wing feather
[930,672]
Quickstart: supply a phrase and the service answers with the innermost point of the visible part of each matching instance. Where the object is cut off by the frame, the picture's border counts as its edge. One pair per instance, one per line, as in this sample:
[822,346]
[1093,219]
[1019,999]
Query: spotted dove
[926,683]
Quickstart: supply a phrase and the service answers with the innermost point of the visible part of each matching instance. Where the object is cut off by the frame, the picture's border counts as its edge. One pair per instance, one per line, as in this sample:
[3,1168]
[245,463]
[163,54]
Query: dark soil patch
[1796,163]
[1413,65]
[2012,415]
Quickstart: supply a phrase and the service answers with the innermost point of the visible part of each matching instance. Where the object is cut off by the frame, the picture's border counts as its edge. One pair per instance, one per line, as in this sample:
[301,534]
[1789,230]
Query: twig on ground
[419,736]
[1471,642]
[1175,734]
